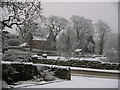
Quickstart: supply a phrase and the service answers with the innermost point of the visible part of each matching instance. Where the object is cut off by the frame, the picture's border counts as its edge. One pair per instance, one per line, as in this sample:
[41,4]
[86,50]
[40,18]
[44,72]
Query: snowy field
[82,82]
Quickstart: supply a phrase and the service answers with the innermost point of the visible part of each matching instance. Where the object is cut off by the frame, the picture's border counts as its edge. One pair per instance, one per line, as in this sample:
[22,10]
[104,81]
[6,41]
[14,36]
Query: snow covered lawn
[72,58]
[82,82]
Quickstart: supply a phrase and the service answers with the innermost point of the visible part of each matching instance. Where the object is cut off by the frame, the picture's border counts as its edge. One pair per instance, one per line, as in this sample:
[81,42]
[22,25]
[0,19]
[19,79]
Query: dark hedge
[12,73]
[76,63]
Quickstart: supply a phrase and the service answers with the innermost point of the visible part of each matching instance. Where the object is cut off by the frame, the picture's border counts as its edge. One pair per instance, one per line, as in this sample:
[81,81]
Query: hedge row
[48,52]
[76,63]
[12,73]
[17,55]
[15,72]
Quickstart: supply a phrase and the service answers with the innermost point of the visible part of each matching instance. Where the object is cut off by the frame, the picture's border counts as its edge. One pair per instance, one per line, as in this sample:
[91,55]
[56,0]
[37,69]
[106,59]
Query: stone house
[42,43]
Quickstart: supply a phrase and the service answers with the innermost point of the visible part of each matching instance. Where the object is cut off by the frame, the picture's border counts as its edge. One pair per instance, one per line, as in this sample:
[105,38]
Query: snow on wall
[96,70]
[56,66]
[8,62]
[67,67]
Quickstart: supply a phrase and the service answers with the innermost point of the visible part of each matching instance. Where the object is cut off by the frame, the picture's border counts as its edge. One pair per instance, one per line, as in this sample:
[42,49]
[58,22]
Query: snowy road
[82,82]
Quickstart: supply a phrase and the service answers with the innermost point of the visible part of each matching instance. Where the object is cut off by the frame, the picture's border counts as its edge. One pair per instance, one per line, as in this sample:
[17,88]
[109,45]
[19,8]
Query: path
[82,82]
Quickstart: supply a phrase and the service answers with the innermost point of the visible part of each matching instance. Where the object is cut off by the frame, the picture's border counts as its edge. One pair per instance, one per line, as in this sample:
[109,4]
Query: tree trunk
[31,45]
[54,43]
[101,46]
[30,40]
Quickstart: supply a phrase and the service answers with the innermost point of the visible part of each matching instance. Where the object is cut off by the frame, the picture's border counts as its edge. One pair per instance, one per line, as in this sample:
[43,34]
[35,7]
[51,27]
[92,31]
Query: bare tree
[102,29]
[68,47]
[83,29]
[112,42]
[55,25]
[111,47]
[5,38]
[64,42]
[19,14]
[61,42]
[27,31]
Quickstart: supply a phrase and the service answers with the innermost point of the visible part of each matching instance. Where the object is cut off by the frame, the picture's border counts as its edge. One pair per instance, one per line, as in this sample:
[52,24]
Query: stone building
[42,43]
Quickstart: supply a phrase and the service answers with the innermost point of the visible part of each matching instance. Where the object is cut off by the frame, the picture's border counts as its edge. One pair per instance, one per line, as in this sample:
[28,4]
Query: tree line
[67,35]
[77,32]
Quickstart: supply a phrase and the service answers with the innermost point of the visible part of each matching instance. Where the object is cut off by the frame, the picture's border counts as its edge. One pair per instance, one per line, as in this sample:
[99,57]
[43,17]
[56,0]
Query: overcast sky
[106,11]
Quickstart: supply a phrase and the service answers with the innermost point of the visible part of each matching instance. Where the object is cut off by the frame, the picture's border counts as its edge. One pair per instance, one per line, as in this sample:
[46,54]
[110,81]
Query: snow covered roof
[24,44]
[39,38]
[78,50]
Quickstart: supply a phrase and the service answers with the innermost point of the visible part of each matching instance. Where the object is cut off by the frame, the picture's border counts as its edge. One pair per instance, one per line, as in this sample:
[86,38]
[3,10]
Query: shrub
[15,72]
[13,42]
[50,72]
[16,55]
[12,73]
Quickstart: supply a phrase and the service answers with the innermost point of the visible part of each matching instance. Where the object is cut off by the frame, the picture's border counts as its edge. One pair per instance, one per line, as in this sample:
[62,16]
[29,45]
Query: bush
[50,72]
[17,55]
[13,42]
[12,73]
[6,73]
[15,72]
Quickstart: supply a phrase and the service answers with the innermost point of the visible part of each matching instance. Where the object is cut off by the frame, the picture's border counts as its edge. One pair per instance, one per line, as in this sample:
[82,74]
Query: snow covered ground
[72,58]
[77,81]
[81,82]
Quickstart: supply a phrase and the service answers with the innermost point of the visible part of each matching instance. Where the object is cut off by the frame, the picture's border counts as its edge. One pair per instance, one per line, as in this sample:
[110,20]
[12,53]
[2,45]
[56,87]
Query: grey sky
[106,11]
